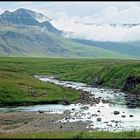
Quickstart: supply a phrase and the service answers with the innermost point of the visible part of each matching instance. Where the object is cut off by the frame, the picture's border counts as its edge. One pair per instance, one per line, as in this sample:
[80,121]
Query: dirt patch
[30,122]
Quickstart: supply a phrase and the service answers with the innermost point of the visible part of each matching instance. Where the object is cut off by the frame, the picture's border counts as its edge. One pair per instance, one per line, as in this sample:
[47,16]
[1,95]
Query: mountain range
[27,33]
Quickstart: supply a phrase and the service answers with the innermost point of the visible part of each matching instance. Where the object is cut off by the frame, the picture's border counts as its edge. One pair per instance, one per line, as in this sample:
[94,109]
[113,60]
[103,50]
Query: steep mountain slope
[32,41]
[25,17]
[21,34]
[18,17]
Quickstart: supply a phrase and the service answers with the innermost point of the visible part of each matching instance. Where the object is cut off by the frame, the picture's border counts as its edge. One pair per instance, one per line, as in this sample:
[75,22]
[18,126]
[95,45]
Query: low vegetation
[18,86]
[76,135]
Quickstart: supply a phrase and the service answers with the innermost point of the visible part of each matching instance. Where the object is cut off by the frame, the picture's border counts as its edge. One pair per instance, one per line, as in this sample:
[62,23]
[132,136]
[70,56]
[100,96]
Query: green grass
[76,135]
[16,80]
[16,84]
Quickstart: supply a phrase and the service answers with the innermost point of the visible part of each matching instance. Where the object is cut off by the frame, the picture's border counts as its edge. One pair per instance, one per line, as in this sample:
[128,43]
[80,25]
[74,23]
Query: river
[101,116]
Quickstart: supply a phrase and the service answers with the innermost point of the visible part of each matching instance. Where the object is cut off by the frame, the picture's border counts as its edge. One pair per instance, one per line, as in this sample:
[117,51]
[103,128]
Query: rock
[98,110]
[106,122]
[66,112]
[97,82]
[130,82]
[126,96]
[131,105]
[130,115]
[116,112]
[66,118]
[73,109]
[99,119]
[128,103]
[94,115]
[105,101]
[61,126]
[115,91]
[123,116]
[109,124]
[65,102]
[116,121]
[40,111]
[84,107]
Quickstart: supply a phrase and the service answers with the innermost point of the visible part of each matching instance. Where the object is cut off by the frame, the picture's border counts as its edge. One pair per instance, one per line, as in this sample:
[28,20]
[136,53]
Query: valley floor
[19,87]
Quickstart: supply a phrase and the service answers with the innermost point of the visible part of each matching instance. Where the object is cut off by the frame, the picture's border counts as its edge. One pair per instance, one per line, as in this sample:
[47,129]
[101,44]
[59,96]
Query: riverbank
[29,122]
[42,125]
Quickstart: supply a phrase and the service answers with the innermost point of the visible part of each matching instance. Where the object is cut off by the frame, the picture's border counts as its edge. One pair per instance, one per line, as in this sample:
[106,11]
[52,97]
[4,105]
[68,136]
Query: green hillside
[126,48]
[33,41]
[16,78]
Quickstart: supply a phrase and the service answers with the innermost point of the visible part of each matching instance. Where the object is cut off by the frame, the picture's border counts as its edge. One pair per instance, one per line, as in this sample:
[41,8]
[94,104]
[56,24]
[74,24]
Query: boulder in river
[65,102]
[40,111]
[98,119]
[84,108]
[94,115]
[66,112]
[130,115]
[61,126]
[116,112]
[123,116]
[131,105]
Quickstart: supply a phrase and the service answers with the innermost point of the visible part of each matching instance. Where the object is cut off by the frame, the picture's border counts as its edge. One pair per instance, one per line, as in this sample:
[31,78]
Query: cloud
[105,32]
[1,10]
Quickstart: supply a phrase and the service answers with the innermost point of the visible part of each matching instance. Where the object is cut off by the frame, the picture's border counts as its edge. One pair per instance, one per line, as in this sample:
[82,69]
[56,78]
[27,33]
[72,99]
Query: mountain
[32,42]
[38,16]
[24,17]
[22,34]
[125,48]
[47,25]
[18,17]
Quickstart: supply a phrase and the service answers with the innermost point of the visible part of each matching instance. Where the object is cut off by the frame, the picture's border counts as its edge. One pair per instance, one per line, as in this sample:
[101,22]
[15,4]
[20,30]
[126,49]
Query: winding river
[99,116]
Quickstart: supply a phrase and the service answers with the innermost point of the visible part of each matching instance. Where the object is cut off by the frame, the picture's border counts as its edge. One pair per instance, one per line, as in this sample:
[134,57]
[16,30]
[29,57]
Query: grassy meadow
[76,135]
[17,81]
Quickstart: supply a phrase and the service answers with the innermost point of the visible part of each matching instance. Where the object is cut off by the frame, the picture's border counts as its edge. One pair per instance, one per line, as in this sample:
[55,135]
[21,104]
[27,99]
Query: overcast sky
[97,11]
[67,14]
